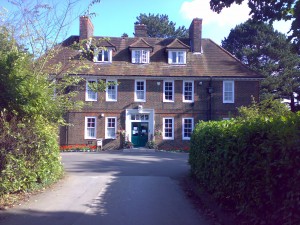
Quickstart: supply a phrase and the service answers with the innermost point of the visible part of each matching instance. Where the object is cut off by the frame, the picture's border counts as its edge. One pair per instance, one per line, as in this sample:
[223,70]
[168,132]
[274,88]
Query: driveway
[112,188]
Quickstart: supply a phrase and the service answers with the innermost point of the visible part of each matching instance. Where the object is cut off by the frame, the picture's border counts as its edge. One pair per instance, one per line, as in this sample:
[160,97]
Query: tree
[33,104]
[159,26]
[269,10]
[268,52]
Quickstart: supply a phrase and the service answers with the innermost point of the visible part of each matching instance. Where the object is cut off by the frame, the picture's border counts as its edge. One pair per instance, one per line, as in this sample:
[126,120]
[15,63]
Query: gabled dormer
[177,52]
[103,51]
[140,51]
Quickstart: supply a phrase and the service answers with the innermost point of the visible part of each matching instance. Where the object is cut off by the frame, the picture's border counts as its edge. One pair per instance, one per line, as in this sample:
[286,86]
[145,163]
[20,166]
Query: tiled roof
[140,43]
[104,42]
[177,44]
[214,61]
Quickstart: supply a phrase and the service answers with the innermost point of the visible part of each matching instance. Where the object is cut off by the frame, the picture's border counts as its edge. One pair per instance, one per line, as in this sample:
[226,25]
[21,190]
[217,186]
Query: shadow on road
[139,189]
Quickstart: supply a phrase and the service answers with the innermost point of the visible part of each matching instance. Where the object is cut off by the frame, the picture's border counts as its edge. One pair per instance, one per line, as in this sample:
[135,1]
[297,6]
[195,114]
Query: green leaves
[159,26]
[269,53]
[251,163]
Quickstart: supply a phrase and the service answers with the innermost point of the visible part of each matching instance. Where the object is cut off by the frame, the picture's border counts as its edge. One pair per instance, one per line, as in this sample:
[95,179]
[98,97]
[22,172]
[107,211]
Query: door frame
[128,121]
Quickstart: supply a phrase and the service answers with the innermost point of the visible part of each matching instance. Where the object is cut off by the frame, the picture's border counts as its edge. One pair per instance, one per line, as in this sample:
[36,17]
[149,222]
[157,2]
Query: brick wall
[199,110]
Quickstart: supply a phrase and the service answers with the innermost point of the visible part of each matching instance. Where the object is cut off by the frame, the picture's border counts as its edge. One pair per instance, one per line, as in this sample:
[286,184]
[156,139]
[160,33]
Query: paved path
[112,188]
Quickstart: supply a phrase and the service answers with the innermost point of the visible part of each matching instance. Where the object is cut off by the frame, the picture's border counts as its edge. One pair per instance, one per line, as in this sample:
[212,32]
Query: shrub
[151,145]
[252,164]
[29,154]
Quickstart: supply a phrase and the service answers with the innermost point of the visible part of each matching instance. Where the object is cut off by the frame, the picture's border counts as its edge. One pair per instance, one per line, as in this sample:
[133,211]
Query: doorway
[139,133]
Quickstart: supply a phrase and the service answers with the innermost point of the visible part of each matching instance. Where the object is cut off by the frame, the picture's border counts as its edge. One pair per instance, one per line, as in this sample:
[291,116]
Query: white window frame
[183,91]
[232,91]
[116,91]
[86,133]
[136,91]
[176,52]
[87,90]
[164,126]
[183,127]
[96,54]
[106,127]
[142,58]
[173,91]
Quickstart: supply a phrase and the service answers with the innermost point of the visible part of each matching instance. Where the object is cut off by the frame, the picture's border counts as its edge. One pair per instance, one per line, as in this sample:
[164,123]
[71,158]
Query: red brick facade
[199,110]
[206,65]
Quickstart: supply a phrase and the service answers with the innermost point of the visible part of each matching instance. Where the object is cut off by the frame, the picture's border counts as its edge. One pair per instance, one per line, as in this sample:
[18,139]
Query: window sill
[168,101]
[102,62]
[186,139]
[90,100]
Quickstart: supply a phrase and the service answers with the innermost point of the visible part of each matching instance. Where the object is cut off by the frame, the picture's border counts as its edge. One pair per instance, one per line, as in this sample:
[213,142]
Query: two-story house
[157,89]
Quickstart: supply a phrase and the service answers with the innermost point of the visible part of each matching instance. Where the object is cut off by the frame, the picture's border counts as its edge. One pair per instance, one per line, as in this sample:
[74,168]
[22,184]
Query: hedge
[29,154]
[252,165]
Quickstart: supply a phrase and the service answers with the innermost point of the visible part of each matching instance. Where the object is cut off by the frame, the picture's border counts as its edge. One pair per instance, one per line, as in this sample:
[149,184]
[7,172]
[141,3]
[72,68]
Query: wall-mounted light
[158,83]
[140,108]
[102,115]
[200,83]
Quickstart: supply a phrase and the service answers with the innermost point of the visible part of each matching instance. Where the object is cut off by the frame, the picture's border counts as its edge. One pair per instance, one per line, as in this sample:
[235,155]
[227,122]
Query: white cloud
[230,17]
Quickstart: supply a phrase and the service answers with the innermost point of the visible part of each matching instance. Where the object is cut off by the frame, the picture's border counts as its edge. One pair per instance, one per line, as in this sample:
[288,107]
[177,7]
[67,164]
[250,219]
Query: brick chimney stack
[195,33]
[86,29]
[140,30]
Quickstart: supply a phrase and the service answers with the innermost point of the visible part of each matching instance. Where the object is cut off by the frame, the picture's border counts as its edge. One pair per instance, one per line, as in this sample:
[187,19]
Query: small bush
[29,154]
[252,164]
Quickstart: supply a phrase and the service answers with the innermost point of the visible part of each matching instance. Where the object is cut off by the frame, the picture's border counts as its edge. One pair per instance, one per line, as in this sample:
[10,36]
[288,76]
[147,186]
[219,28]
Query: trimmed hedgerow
[251,164]
[29,154]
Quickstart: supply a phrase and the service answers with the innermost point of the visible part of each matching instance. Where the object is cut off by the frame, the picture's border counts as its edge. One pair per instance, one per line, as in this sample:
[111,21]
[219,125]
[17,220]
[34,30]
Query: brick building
[157,89]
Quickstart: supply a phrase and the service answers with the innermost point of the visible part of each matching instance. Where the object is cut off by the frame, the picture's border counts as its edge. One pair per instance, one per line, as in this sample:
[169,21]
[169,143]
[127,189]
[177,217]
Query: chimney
[140,30]
[195,33]
[86,29]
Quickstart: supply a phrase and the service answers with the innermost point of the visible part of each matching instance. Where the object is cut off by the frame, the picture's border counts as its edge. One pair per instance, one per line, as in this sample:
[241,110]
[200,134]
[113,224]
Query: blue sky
[115,17]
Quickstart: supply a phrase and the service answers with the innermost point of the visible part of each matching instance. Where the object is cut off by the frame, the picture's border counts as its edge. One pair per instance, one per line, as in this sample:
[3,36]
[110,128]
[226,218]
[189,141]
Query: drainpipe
[67,129]
[210,91]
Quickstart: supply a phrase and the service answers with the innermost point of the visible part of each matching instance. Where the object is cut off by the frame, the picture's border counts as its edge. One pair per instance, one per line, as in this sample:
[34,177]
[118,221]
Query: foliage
[269,10]
[29,153]
[159,26]
[251,164]
[32,102]
[267,108]
[128,144]
[268,52]
[151,145]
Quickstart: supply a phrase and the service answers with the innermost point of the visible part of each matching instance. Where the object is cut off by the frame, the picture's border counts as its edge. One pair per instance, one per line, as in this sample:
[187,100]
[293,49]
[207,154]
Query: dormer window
[140,56]
[103,55]
[177,57]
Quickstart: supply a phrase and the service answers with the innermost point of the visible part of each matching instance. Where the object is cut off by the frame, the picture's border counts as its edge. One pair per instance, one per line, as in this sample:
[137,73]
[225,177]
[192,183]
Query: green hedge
[252,165]
[29,154]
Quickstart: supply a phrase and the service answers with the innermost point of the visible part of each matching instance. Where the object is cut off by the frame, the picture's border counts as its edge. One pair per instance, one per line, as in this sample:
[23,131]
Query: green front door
[139,133]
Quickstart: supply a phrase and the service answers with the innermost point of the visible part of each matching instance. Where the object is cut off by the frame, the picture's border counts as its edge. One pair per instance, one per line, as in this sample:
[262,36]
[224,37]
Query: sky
[115,17]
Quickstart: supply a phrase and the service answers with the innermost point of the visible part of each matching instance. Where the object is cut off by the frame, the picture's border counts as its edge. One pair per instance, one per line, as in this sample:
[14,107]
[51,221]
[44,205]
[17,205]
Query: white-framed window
[111,90]
[90,128]
[176,57]
[168,128]
[188,91]
[228,91]
[140,91]
[140,56]
[90,95]
[168,95]
[187,128]
[103,55]
[110,127]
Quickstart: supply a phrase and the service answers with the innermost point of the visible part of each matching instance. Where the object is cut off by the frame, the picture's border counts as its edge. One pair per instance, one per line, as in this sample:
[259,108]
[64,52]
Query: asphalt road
[112,188]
